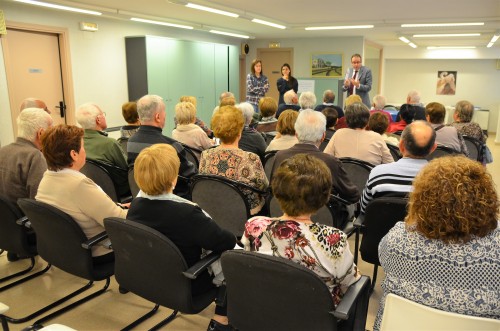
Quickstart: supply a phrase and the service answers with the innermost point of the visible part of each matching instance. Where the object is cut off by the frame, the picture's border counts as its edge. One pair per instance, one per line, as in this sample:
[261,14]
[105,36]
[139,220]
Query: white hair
[414,96]
[148,106]
[86,115]
[379,101]
[310,126]
[307,100]
[288,96]
[247,110]
[30,120]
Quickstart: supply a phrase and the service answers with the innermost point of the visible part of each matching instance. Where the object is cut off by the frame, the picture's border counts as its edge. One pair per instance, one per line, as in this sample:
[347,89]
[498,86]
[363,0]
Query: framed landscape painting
[326,65]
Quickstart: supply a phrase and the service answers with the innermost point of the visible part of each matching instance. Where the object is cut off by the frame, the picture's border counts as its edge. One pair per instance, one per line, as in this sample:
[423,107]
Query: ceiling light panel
[274,25]
[451,47]
[340,27]
[211,10]
[230,34]
[54,6]
[142,20]
[445,35]
[426,25]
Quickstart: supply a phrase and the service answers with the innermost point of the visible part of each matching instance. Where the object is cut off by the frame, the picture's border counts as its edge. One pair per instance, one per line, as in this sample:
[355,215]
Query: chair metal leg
[5,325]
[167,320]
[22,280]
[356,245]
[374,278]
[141,319]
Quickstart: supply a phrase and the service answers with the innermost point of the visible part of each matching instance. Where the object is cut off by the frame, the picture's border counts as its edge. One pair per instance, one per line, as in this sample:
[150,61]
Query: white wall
[97,58]
[477,81]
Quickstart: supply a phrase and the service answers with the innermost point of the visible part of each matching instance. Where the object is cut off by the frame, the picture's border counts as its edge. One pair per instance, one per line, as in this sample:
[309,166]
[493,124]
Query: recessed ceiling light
[424,25]
[50,5]
[256,20]
[230,34]
[339,27]
[489,44]
[412,45]
[404,39]
[443,35]
[451,47]
[212,10]
[161,23]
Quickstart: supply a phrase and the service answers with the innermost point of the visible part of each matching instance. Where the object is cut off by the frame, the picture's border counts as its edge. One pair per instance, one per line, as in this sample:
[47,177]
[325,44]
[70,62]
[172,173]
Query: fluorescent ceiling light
[404,39]
[161,23]
[424,25]
[230,34]
[256,20]
[340,27]
[50,5]
[494,38]
[451,47]
[440,35]
[212,10]
[489,44]
[412,45]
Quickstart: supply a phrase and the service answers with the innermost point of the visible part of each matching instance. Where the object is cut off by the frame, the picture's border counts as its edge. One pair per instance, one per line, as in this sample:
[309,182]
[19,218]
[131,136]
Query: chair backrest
[98,173]
[13,237]
[192,154]
[134,188]
[123,141]
[269,163]
[270,136]
[475,148]
[149,264]
[222,199]
[395,152]
[357,170]
[381,215]
[401,314]
[59,238]
[323,215]
[441,151]
[323,144]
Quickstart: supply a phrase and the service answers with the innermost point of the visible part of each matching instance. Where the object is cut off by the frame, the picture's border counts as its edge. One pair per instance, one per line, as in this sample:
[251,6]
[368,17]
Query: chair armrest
[340,200]
[200,266]
[359,222]
[95,240]
[24,221]
[351,297]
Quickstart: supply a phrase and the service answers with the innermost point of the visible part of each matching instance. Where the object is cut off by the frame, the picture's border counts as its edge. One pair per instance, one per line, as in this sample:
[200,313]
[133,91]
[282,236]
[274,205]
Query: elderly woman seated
[356,142]
[462,121]
[229,161]
[189,227]
[129,113]
[66,188]
[268,107]
[186,131]
[302,185]
[379,123]
[446,253]
[285,138]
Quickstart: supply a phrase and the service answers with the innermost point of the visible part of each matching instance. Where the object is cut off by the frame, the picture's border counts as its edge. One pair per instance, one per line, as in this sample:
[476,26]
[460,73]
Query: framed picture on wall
[326,65]
[446,83]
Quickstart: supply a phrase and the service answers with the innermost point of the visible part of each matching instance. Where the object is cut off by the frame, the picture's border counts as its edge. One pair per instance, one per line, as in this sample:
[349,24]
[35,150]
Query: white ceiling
[386,15]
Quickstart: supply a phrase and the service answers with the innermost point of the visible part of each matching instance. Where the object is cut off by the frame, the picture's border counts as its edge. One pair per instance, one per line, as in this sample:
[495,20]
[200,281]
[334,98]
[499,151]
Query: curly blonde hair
[227,124]
[453,200]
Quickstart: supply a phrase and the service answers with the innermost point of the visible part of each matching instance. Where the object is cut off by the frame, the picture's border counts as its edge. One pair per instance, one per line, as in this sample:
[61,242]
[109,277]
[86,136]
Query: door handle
[62,108]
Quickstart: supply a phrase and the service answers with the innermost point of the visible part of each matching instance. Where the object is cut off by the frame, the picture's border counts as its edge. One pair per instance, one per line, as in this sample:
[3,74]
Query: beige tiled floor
[112,310]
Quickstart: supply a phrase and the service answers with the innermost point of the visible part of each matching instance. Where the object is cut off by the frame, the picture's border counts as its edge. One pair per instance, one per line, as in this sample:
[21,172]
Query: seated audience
[187,225]
[331,115]
[307,100]
[21,163]
[199,122]
[378,107]
[66,188]
[356,142]
[406,116]
[417,142]
[268,108]
[353,98]
[291,102]
[186,131]
[310,131]
[378,123]
[413,103]
[129,112]
[151,109]
[225,99]
[446,253]
[228,160]
[445,135]
[251,140]
[285,138]
[101,148]
[302,186]
[34,103]
[328,101]
[462,121]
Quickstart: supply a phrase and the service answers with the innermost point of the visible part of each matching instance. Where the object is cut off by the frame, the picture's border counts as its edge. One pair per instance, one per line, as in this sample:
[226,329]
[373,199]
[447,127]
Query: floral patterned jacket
[320,248]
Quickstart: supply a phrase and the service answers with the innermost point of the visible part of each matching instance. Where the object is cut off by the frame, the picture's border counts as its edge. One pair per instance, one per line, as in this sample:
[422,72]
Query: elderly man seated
[291,102]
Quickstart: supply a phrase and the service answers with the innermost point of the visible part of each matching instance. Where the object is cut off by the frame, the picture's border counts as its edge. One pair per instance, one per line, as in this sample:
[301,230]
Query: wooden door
[272,60]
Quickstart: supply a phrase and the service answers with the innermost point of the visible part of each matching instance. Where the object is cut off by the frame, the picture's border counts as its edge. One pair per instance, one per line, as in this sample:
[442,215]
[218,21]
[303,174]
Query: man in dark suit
[358,80]
[328,100]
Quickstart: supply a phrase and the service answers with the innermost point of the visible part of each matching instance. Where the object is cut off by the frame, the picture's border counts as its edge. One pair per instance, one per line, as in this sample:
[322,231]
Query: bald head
[33,103]
[418,140]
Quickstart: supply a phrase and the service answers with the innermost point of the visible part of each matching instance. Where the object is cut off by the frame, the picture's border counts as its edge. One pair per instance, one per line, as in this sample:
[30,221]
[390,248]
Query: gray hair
[86,115]
[409,139]
[30,120]
[288,96]
[310,126]
[226,95]
[357,115]
[247,110]
[328,96]
[414,96]
[307,100]
[148,106]
[464,110]
[379,101]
